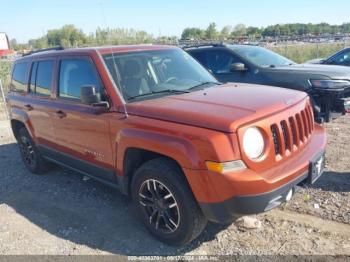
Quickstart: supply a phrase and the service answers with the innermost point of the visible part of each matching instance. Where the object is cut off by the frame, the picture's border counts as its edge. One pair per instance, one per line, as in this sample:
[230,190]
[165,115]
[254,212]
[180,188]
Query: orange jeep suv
[152,122]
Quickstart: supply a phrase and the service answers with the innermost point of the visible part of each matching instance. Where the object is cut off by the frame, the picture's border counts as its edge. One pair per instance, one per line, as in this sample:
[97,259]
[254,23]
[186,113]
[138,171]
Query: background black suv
[340,58]
[328,86]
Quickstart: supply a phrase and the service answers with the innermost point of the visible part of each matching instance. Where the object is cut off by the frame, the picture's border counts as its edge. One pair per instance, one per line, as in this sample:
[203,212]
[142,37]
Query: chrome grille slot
[310,117]
[290,134]
[294,131]
[276,140]
[305,124]
[300,127]
[286,135]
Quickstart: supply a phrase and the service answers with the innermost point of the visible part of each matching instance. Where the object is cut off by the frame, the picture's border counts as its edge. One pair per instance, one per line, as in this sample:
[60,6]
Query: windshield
[261,56]
[146,74]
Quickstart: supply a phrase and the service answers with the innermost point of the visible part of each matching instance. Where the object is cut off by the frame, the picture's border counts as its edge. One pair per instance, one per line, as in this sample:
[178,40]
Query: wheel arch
[134,158]
[135,147]
[20,119]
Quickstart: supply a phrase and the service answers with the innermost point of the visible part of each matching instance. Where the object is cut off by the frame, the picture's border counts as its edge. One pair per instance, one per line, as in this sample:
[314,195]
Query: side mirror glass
[89,95]
[238,67]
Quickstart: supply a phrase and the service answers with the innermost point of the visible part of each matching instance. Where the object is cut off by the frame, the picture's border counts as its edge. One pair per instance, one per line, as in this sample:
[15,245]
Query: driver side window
[341,59]
[75,73]
[219,61]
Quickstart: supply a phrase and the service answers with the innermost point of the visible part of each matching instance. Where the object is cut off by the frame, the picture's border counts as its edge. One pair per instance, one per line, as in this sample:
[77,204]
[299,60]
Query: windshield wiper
[172,91]
[203,84]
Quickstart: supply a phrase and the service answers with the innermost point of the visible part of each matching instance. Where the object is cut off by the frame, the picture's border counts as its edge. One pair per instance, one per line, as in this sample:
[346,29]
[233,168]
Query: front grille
[275,138]
[290,134]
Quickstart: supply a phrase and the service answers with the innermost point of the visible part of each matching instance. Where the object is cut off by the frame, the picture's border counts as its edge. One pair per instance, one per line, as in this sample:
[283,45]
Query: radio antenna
[113,57]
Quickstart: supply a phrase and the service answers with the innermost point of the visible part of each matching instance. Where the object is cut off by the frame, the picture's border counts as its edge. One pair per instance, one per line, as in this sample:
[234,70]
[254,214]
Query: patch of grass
[5,73]
[301,53]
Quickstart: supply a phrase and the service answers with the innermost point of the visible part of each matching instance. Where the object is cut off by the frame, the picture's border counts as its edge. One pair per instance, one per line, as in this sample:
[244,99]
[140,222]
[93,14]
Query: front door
[219,62]
[82,131]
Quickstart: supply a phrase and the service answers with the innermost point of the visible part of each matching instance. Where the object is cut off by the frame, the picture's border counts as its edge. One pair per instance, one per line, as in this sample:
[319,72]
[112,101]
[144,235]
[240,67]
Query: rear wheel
[165,202]
[30,154]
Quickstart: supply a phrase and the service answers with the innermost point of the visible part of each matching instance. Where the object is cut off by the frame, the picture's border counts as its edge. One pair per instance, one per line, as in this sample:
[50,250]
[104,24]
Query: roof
[131,48]
[217,45]
[101,49]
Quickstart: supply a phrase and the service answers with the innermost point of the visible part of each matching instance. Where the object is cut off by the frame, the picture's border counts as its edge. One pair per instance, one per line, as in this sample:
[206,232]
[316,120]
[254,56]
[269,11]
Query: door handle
[28,107]
[61,114]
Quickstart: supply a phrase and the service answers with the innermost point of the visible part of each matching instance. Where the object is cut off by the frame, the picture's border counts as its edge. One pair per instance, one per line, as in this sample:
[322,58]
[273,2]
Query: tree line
[278,30]
[70,36]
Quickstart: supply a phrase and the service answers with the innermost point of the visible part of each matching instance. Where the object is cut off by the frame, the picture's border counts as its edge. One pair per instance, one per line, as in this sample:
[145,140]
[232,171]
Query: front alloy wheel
[164,202]
[160,205]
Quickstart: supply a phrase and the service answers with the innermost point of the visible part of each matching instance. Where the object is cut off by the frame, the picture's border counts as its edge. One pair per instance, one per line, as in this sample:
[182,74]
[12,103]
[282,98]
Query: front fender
[177,148]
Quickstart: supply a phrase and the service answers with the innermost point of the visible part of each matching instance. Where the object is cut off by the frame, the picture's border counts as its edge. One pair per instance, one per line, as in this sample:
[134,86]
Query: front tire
[31,156]
[165,202]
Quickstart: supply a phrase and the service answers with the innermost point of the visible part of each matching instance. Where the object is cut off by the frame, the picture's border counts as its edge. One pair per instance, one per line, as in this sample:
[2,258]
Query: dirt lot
[62,213]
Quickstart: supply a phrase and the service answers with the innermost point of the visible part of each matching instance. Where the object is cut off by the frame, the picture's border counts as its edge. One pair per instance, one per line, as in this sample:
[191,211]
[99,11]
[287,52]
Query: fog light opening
[289,195]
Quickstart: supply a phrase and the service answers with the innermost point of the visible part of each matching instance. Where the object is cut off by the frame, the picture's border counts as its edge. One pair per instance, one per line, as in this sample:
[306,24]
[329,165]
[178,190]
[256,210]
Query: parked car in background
[153,123]
[4,46]
[328,86]
[341,58]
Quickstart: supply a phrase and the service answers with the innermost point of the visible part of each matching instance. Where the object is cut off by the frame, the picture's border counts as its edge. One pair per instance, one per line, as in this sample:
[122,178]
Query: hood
[315,61]
[331,71]
[223,108]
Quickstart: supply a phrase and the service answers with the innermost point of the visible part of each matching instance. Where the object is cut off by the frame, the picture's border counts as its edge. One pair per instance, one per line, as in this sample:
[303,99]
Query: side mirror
[89,95]
[240,67]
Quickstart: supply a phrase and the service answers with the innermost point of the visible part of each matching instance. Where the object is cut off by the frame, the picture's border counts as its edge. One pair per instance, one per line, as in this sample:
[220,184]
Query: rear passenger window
[75,73]
[18,82]
[44,78]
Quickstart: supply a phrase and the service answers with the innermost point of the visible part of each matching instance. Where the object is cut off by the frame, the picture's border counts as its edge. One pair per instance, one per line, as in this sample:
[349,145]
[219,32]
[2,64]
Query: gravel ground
[63,214]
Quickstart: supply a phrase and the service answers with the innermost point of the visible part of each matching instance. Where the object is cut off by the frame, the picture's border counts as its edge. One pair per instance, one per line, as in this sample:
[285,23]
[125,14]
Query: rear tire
[165,203]
[31,156]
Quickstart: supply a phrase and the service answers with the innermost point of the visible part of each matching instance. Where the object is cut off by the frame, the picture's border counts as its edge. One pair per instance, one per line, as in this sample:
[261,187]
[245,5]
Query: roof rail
[204,45]
[55,48]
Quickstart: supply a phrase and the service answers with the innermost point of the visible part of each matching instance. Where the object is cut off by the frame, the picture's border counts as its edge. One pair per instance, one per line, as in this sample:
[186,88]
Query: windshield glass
[152,73]
[261,56]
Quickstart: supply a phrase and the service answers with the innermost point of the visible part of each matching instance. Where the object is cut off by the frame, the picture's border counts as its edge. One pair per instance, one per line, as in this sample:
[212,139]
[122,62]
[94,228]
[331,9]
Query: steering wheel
[172,78]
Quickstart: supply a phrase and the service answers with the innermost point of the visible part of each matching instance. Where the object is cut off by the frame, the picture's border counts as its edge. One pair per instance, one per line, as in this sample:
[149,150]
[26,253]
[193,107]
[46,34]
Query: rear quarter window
[19,77]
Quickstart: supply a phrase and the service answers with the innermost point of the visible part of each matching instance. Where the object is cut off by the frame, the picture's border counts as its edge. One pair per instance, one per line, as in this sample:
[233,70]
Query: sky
[30,19]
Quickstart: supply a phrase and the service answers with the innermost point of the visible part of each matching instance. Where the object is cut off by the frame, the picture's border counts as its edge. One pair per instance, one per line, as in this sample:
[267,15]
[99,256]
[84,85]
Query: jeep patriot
[152,122]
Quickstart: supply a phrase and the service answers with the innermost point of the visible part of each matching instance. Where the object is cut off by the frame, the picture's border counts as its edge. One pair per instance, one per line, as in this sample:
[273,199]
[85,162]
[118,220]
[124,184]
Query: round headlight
[253,143]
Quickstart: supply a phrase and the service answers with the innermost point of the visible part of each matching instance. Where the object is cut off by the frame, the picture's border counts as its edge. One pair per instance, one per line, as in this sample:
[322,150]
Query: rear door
[38,102]
[82,131]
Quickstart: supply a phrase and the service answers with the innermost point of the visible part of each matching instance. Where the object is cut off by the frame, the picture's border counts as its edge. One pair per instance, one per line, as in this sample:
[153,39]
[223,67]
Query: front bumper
[224,197]
[238,206]
[345,103]
[332,103]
